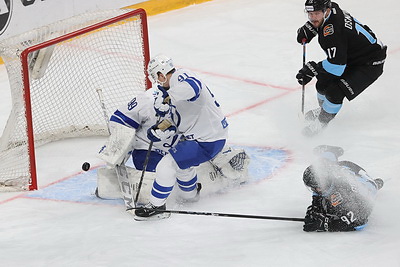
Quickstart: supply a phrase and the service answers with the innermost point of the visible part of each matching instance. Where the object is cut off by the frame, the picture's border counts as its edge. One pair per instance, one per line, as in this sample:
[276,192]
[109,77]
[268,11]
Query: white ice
[247,52]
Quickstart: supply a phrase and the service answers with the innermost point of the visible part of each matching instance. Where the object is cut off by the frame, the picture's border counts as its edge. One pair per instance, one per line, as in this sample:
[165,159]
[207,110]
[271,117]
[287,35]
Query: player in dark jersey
[355,58]
[343,193]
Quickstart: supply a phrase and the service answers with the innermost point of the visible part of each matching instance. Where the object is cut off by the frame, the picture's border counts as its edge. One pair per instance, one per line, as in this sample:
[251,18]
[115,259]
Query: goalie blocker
[229,169]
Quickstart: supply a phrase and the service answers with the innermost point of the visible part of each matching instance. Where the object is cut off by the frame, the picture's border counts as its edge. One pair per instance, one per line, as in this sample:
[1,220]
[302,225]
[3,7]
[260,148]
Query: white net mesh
[62,90]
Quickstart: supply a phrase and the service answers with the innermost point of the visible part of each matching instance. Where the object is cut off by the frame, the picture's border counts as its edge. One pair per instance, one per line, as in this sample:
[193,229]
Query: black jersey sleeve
[333,40]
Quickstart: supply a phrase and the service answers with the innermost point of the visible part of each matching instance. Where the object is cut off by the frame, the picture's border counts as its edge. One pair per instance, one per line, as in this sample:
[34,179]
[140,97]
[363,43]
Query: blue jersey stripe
[334,69]
[361,29]
[196,85]
[121,118]
[188,183]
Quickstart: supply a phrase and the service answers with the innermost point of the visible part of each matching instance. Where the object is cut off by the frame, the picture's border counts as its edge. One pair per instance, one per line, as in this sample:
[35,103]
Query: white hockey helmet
[159,63]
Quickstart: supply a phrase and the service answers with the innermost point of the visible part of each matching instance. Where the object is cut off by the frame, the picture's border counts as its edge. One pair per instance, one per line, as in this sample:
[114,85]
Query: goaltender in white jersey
[129,126]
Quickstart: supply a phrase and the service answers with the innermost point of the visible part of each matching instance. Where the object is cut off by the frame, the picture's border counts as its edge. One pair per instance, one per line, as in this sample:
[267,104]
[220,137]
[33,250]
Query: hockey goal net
[55,73]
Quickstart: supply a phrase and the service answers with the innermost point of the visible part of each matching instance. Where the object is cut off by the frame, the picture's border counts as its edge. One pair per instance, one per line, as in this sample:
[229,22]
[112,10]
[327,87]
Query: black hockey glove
[306,74]
[306,32]
[316,222]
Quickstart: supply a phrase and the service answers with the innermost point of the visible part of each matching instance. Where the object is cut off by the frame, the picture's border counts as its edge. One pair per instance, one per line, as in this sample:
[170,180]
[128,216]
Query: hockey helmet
[315,5]
[159,63]
[317,179]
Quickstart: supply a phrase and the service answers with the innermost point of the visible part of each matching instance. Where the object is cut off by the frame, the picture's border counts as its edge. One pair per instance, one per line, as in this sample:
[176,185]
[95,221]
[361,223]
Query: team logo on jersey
[328,30]
[132,104]
[5,14]
[336,199]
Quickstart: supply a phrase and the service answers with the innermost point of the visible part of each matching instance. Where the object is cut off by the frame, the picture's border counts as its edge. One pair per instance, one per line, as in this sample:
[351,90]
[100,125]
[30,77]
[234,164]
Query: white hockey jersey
[195,111]
[139,114]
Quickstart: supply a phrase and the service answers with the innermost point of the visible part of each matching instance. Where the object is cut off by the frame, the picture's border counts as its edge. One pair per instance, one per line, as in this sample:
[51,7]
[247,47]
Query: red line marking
[258,104]
[286,89]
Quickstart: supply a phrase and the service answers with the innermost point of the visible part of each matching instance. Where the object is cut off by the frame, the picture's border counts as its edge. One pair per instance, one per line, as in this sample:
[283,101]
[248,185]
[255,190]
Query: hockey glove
[306,74]
[161,101]
[316,222]
[306,32]
[157,133]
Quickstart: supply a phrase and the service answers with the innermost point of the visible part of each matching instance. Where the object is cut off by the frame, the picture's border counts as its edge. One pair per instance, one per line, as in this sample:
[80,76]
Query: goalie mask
[159,64]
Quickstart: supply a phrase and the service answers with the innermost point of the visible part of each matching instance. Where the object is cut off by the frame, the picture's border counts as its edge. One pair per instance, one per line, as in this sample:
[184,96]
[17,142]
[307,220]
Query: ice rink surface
[247,53]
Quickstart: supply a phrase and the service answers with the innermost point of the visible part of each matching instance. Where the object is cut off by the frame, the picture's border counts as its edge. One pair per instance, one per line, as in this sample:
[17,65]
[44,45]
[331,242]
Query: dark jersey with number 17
[347,42]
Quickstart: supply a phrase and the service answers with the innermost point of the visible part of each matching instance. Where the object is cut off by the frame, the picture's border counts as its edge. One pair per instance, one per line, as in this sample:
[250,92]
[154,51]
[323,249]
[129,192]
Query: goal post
[54,72]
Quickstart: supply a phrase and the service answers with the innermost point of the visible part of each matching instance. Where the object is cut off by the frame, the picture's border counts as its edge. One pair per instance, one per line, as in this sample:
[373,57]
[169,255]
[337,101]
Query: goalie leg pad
[108,186]
[233,163]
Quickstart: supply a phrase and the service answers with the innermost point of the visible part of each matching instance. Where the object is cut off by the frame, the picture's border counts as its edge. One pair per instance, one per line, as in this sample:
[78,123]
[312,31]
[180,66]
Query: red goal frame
[33,185]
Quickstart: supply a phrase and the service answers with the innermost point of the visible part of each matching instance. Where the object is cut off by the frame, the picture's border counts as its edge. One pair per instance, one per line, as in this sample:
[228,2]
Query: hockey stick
[231,215]
[248,216]
[303,85]
[163,125]
[121,170]
[145,163]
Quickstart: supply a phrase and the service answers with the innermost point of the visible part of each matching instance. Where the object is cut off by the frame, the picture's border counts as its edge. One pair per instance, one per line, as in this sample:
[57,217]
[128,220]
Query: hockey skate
[312,114]
[379,183]
[336,150]
[149,212]
[313,128]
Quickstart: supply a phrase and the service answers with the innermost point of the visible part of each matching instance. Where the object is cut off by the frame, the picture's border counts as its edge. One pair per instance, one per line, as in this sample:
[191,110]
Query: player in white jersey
[198,117]
[138,114]
[129,126]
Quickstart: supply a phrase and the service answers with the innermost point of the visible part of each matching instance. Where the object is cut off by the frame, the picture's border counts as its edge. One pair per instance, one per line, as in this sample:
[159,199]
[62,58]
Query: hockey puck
[86,166]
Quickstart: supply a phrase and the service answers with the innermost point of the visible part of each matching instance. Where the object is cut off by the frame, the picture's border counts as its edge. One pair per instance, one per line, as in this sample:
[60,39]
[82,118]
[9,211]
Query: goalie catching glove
[119,144]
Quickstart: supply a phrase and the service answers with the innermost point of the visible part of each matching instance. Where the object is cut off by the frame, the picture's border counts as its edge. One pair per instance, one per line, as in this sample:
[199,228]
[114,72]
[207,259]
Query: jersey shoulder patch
[328,30]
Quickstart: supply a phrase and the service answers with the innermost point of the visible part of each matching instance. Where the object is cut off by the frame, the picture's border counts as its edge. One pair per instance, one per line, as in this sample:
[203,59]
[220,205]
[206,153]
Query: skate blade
[157,217]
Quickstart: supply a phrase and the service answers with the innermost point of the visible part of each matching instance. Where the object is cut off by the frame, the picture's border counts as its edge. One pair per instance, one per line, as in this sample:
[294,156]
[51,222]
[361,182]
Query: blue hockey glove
[156,134]
[306,74]
[161,102]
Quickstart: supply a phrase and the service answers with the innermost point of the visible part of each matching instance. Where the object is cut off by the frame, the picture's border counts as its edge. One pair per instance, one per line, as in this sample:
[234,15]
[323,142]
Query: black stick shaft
[247,216]
[146,161]
[303,85]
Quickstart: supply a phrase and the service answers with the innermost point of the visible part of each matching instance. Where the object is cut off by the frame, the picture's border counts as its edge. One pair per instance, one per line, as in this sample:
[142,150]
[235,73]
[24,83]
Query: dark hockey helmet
[315,5]
[317,181]
[309,177]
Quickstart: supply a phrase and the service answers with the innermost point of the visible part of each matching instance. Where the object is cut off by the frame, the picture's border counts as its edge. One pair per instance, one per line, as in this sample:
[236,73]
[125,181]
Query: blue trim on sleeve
[364,32]
[121,118]
[196,85]
[334,69]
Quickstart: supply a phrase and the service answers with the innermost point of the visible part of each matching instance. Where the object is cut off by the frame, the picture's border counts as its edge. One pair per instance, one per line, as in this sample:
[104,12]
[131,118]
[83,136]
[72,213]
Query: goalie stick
[122,173]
